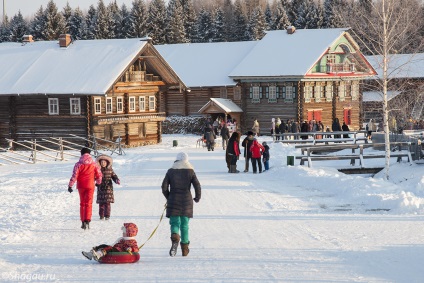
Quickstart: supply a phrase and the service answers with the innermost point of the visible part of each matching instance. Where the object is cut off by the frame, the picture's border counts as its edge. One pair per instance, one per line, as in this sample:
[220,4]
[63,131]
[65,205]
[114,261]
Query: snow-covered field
[289,224]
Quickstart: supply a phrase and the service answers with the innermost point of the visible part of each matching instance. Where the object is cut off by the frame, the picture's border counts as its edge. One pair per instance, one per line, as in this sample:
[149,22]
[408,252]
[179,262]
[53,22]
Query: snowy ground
[290,224]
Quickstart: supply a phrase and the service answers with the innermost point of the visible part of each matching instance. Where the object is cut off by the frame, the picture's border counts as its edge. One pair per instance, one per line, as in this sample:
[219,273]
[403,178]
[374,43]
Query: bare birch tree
[384,28]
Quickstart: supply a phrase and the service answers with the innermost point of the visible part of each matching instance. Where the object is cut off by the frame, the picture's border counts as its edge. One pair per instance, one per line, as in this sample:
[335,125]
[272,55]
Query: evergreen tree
[204,26]
[218,28]
[156,21]
[67,14]
[293,9]
[306,15]
[55,22]
[101,26]
[5,31]
[125,25]
[175,19]
[190,19]
[77,25]
[332,18]
[228,19]
[38,25]
[138,19]
[18,27]
[269,17]
[114,20]
[257,25]
[91,22]
[319,21]
[281,20]
[240,32]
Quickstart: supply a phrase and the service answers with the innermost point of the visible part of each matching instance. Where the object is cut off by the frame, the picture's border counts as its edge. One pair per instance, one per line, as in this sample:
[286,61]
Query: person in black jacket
[247,143]
[179,209]
[225,135]
[210,137]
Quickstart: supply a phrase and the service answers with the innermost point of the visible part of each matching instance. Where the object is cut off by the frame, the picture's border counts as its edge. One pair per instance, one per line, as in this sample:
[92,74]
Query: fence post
[34,151]
[61,148]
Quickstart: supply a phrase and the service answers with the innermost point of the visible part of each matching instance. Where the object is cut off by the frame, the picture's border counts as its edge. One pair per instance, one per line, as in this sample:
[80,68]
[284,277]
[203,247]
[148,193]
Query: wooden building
[102,88]
[294,74]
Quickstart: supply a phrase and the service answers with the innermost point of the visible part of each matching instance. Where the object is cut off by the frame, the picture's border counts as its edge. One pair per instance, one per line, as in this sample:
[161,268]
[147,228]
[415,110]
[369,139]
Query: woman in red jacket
[84,173]
[256,149]
[233,152]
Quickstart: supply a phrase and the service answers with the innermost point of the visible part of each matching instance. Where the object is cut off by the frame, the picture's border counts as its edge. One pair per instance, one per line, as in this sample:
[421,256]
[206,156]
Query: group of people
[253,152]
[176,188]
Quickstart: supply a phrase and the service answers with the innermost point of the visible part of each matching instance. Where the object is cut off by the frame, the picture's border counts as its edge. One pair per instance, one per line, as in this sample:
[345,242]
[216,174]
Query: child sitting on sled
[126,243]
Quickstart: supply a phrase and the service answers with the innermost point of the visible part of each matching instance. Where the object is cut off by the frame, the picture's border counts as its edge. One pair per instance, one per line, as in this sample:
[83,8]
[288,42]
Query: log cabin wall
[4,120]
[33,120]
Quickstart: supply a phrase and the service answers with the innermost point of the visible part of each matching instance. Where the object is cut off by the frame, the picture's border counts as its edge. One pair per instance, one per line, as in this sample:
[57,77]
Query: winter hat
[131,229]
[182,156]
[85,150]
[264,143]
[250,133]
[105,157]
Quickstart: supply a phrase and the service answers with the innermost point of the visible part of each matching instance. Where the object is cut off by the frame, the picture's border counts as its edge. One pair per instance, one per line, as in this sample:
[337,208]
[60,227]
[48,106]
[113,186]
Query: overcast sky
[30,7]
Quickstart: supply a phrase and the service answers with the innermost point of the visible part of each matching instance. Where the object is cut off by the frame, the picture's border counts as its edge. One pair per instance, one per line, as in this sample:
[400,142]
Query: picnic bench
[312,150]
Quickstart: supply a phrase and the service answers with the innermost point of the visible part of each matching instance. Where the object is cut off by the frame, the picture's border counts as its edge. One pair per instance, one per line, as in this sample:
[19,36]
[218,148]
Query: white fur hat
[182,156]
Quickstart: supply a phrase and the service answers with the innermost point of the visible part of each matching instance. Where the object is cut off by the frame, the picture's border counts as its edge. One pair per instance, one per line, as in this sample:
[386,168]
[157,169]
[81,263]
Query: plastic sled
[120,257]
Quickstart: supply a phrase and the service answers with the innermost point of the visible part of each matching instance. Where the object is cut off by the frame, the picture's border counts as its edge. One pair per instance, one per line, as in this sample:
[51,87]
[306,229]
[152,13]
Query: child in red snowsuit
[126,243]
[256,149]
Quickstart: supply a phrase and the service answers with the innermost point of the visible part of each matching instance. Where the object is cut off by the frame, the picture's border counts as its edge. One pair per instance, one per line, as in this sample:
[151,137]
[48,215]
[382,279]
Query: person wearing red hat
[126,243]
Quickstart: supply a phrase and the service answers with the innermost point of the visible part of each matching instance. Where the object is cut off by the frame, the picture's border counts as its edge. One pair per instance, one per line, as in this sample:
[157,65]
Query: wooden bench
[310,156]
[324,137]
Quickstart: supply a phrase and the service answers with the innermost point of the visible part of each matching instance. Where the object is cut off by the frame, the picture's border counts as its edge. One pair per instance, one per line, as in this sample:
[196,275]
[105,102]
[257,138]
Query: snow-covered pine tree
[332,18]
[218,30]
[156,21]
[18,27]
[268,17]
[306,15]
[38,25]
[91,22]
[101,28]
[257,25]
[114,20]
[138,19]
[77,25]
[228,19]
[190,19]
[125,25]
[281,20]
[67,13]
[175,31]
[204,26]
[240,32]
[55,22]
[5,31]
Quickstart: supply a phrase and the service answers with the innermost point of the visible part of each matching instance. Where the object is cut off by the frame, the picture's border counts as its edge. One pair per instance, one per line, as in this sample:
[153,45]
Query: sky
[288,224]
[30,7]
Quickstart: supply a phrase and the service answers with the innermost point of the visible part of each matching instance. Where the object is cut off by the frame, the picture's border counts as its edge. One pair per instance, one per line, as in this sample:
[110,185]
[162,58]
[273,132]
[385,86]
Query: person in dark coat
[105,188]
[266,156]
[233,152]
[225,135]
[210,137]
[247,143]
[176,188]
[345,128]
[335,127]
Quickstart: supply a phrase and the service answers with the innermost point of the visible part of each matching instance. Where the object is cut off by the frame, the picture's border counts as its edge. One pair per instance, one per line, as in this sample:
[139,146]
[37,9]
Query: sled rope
[154,231]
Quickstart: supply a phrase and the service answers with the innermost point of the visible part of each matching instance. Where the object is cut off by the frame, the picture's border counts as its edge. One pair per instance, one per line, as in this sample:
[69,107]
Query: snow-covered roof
[400,65]
[282,54]
[205,64]
[84,67]
[368,96]
[225,104]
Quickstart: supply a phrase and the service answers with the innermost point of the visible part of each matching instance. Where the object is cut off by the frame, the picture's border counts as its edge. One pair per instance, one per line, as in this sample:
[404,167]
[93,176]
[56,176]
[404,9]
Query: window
[347,112]
[355,90]
[142,103]
[75,106]
[329,92]
[109,105]
[120,104]
[308,93]
[131,104]
[152,103]
[272,98]
[289,93]
[223,92]
[255,94]
[53,106]
[237,93]
[318,93]
[342,91]
[97,105]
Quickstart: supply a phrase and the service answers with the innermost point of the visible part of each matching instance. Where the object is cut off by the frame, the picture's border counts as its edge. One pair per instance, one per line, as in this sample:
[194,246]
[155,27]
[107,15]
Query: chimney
[27,38]
[291,29]
[64,40]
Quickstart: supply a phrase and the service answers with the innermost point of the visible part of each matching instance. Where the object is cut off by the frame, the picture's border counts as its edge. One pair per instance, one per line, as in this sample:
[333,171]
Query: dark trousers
[104,209]
[254,162]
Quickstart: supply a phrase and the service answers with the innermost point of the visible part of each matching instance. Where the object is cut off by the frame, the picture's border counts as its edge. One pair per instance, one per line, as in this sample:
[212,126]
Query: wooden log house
[102,88]
[292,74]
